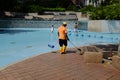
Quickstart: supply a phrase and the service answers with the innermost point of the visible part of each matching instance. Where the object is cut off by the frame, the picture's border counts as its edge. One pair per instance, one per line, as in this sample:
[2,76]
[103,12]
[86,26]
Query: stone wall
[93,57]
[116,62]
[111,26]
[95,25]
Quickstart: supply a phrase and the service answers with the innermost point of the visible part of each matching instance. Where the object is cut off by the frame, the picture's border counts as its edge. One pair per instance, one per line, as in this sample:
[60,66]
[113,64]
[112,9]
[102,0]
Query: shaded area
[109,47]
[3,31]
[107,50]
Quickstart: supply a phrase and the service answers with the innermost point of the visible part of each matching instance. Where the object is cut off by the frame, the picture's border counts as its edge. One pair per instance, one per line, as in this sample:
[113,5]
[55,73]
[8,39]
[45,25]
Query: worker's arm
[58,34]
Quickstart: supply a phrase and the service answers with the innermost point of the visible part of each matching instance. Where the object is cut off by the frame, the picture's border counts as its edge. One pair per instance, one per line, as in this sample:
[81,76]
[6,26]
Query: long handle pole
[56,42]
[74,46]
[119,49]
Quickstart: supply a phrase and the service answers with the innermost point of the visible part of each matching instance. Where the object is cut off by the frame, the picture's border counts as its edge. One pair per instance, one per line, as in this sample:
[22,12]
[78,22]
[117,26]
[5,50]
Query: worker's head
[64,24]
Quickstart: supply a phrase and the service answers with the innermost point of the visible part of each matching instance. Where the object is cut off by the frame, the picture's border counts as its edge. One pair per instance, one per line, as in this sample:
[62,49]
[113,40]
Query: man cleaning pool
[62,34]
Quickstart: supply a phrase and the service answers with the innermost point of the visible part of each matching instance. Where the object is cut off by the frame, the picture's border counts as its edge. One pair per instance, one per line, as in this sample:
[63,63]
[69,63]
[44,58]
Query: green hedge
[37,8]
[53,9]
[34,8]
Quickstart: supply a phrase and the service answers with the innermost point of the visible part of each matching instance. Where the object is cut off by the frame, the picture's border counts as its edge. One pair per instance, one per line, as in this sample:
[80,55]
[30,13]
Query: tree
[7,4]
[109,11]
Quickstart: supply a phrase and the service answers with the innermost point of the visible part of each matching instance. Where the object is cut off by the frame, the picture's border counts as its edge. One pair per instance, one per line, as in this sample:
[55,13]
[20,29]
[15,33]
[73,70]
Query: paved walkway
[55,66]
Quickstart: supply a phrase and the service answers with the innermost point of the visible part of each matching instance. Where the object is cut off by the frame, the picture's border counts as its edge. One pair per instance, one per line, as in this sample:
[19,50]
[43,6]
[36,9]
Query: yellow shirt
[62,32]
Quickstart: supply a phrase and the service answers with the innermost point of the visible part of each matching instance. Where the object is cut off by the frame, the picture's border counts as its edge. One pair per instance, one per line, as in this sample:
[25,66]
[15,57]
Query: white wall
[112,26]
[95,25]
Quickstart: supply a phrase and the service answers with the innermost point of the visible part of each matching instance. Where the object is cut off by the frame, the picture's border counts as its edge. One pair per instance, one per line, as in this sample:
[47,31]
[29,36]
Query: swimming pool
[21,43]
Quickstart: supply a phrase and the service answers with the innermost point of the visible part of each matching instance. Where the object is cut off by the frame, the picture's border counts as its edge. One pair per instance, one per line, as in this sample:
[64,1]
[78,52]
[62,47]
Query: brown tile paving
[55,66]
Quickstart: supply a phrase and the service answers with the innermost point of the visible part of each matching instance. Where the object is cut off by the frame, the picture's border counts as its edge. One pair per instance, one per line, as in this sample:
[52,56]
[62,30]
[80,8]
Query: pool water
[21,43]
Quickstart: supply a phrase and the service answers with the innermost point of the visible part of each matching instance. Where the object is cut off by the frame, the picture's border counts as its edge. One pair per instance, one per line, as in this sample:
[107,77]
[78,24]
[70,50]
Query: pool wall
[111,26]
[22,23]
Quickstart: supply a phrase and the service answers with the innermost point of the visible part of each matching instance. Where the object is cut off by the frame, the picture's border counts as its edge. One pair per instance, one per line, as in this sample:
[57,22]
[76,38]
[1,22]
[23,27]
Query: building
[82,3]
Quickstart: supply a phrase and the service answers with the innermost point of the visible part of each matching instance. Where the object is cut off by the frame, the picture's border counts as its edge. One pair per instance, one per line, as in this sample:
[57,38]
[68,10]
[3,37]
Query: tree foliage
[109,10]
[36,5]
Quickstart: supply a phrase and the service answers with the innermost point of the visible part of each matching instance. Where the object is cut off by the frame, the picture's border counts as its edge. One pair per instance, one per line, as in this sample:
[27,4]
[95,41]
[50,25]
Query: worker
[62,34]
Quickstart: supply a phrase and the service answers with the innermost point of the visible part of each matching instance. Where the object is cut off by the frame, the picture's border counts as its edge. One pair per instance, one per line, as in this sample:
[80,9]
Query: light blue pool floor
[18,44]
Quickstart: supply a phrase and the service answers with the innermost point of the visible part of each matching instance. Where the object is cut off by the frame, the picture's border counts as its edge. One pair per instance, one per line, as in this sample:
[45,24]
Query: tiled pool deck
[55,66]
